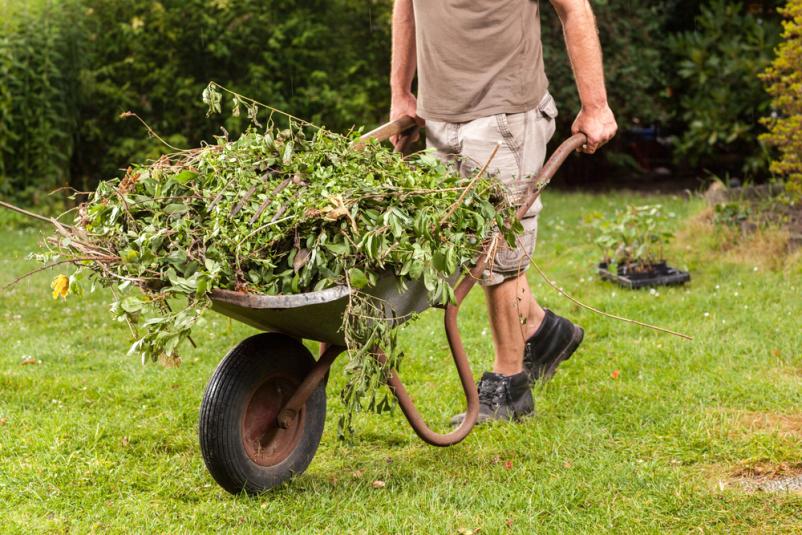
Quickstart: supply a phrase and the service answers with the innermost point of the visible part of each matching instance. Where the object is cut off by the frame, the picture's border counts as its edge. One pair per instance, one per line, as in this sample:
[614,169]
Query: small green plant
[633,237]
[731,213]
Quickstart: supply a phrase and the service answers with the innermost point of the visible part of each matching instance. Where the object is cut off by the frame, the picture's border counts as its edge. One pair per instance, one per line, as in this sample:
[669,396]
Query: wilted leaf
[60,286]
[170,361]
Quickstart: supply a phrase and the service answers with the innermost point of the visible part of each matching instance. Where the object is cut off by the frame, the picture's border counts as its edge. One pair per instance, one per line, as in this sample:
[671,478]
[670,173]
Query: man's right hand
[405,104]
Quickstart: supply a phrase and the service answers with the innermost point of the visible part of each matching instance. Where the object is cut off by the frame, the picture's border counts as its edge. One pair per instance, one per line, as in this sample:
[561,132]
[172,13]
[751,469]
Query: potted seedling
[632,244]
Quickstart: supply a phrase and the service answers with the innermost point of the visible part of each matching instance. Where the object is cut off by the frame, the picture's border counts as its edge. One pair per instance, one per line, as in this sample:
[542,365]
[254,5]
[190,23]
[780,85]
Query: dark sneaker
[502,397]
[554,341]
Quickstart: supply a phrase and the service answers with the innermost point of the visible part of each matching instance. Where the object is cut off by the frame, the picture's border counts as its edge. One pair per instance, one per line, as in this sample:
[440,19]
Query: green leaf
[357,278]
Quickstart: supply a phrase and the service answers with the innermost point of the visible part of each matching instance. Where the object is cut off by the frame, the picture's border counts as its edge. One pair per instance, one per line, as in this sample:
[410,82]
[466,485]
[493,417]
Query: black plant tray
[659,275]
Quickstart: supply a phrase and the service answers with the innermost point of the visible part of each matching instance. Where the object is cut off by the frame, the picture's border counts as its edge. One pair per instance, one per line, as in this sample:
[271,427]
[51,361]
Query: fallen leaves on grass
[379,484]
[507,465]
[3,421]
[615,374]
[28,360]
[468,531]
[358,474]
[125,441]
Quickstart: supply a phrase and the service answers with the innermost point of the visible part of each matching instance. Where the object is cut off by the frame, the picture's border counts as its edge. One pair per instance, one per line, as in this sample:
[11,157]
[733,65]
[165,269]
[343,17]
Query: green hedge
[719,96]
[37,114]
[71,67]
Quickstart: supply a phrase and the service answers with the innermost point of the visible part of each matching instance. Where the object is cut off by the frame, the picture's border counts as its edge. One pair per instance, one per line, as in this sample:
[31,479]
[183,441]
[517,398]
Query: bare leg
[515,315]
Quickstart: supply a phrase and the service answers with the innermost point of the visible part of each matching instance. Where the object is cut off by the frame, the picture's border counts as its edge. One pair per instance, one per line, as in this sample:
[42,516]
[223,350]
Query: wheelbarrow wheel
[242,445]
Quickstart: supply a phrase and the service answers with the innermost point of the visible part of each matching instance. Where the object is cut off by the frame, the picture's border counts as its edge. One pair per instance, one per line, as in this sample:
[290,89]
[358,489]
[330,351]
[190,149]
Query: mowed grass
[92,440]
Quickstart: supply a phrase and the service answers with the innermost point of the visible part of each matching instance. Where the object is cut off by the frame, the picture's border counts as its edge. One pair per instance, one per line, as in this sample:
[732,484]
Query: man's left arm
[595,119]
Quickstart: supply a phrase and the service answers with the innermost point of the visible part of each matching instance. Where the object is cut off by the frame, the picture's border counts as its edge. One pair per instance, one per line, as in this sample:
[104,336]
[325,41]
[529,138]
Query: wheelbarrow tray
[319,315]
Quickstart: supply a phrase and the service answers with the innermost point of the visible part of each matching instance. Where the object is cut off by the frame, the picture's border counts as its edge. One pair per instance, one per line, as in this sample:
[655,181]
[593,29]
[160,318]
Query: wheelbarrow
[263,411]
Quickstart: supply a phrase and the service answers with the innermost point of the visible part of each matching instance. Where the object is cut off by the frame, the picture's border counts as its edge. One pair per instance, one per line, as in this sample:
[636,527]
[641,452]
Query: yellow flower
[61,286]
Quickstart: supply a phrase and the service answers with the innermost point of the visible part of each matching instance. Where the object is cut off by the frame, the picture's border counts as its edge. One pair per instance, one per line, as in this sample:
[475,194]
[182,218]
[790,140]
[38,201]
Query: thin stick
[44,268]
[469,187]
[271,108]
[597,311]
[269,200]
[25,212]
[258,230]
[152,132]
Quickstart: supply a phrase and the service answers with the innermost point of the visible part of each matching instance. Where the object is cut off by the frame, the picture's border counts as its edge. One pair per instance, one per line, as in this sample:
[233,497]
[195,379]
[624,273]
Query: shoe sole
[456,421]
[576,340]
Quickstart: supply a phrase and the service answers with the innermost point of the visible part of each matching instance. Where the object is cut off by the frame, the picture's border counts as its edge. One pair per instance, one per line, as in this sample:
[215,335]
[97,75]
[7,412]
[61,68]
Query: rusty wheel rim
[265,443]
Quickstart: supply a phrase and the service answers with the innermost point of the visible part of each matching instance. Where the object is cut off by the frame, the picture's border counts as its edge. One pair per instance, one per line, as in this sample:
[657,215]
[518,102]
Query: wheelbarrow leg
[463,369]
[290,410]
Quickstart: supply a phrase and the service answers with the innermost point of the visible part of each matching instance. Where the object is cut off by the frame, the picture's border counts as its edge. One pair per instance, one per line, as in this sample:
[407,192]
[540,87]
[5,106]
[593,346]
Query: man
[481,84]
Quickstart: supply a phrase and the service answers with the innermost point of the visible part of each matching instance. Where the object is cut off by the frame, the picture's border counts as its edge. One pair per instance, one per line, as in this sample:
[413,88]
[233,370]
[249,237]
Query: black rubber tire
[226,399]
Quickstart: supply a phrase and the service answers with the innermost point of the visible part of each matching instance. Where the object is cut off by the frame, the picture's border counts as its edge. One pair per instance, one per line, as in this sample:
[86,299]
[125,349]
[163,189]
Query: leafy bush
[633,237]
[631,34]
[71,67]
[784,79]
[36,115]
[720,99]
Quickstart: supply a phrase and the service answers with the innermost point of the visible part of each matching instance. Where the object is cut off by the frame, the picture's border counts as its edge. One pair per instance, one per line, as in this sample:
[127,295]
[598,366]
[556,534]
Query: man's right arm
[404,63]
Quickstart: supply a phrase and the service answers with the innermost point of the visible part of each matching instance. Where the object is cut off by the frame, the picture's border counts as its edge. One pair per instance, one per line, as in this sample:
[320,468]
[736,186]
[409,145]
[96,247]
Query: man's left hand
[597,124]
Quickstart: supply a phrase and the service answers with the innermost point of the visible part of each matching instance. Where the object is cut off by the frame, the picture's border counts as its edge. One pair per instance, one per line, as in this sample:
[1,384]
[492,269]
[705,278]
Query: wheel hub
[267,444]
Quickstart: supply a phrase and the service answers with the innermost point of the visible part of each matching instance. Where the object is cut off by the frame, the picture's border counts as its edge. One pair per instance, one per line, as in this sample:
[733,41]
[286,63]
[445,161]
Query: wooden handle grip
[393,128]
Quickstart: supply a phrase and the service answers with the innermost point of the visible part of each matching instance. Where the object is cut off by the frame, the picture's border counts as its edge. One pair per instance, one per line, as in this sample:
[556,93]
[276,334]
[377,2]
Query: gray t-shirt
[478,58]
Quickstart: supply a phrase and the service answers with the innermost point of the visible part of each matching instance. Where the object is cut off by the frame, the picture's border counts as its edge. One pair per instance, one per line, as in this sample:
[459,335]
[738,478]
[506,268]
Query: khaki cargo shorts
[523,138]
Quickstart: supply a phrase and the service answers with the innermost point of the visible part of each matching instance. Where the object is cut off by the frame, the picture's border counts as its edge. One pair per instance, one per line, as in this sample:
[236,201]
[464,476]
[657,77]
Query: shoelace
[493,395]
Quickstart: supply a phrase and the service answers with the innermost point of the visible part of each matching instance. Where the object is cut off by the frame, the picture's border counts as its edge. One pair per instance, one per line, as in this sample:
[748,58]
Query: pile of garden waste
[278,210]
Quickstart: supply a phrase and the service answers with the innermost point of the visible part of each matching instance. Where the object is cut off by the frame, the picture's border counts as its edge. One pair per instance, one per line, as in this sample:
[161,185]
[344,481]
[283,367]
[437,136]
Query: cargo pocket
[512,127]
[547,108]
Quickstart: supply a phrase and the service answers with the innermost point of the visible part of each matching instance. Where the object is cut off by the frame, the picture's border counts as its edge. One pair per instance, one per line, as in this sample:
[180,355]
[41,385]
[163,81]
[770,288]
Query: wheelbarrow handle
[384,132]
[549,169]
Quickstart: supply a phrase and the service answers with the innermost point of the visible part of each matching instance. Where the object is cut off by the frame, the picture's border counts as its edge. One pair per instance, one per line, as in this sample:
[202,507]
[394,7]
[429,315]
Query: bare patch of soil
[765,477]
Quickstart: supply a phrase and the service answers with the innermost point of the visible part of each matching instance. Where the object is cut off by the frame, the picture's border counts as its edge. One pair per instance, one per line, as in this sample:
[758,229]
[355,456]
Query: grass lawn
[91,440]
